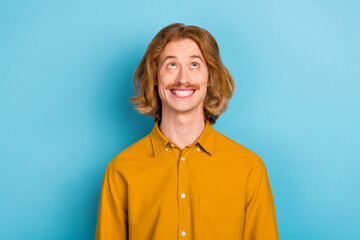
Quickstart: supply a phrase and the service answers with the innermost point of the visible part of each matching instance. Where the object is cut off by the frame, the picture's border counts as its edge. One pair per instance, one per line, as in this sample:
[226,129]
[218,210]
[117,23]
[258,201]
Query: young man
[185,180]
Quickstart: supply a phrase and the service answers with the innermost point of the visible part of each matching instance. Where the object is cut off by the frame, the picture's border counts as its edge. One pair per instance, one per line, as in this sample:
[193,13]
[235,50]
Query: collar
[206,139]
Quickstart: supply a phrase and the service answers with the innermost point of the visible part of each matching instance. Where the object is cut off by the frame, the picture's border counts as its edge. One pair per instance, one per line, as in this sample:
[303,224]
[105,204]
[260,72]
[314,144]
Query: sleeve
[260,217]
[112,222]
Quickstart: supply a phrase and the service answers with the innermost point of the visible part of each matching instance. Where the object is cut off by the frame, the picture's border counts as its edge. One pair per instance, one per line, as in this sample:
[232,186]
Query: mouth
[182,93]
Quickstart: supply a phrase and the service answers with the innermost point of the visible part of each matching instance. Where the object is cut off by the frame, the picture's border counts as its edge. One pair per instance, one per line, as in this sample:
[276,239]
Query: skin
[182,67]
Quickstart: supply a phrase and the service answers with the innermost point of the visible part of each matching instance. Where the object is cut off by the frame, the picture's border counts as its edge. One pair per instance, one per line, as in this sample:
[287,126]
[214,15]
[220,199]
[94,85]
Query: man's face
[182,77]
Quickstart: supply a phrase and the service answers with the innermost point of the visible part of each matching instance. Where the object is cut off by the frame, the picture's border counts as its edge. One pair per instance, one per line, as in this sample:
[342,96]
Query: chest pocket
[220,217]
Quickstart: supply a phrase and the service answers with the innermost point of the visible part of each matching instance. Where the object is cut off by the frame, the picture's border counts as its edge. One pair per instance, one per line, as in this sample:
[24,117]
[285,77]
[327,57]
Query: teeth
[183,93]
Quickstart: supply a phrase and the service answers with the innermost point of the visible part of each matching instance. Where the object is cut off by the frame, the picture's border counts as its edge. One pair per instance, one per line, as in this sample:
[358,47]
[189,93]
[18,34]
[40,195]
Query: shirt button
[183,233]
[182,158]
[198,149]
[183,195]
[172,145]
[166,149]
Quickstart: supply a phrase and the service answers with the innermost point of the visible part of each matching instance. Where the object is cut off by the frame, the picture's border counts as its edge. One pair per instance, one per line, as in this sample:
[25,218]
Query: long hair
[222,86]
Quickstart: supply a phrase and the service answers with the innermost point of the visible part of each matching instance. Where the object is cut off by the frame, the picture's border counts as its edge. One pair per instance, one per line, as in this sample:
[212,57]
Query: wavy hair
[222,86]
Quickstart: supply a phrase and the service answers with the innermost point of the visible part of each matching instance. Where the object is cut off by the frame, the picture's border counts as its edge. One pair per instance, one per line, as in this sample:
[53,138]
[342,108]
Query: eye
[195,65]
[171,65]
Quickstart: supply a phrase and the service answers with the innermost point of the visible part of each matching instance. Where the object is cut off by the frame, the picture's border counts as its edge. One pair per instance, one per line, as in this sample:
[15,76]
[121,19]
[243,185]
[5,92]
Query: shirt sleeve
[260,217]
[112,222]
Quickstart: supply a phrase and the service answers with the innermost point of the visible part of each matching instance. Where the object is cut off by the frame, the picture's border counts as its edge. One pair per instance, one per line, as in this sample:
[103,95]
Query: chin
[184,109]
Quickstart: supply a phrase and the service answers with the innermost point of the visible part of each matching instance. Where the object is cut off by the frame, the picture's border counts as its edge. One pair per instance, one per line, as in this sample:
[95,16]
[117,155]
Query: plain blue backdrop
[66,74]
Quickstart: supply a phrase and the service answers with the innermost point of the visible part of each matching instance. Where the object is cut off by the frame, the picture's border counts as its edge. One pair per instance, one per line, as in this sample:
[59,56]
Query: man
[185,180]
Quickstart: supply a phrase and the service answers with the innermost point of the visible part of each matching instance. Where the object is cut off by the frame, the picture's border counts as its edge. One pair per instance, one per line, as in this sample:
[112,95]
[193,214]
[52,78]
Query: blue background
[66,74]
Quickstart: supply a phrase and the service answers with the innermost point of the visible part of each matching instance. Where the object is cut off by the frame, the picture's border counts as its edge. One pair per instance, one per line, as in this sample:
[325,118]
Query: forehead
[182,47]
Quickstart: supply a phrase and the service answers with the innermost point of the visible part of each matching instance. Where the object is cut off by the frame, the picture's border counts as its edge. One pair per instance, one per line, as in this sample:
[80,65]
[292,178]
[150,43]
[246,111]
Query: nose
[183,76]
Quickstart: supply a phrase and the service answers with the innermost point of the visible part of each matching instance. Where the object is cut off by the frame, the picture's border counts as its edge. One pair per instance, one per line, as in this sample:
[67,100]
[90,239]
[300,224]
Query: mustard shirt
[214,189]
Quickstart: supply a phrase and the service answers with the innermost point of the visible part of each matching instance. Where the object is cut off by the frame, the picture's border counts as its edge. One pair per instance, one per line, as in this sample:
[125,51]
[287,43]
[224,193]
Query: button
[183,233]
[183,195]
[198,149]
[166,149]
[182,158]
[172,145]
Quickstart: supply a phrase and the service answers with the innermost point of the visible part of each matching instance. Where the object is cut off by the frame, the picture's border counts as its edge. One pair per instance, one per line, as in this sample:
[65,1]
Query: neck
[182,129]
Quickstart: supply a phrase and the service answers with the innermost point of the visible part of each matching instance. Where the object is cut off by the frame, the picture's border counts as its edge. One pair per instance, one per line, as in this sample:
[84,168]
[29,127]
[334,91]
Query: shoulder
[142,149]
[227,146]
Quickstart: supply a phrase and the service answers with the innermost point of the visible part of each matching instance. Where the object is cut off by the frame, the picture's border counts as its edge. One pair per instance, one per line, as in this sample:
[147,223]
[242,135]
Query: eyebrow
[192,56]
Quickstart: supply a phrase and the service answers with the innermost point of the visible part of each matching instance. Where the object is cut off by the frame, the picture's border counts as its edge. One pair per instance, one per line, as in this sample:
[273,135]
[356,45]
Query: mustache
[182,85]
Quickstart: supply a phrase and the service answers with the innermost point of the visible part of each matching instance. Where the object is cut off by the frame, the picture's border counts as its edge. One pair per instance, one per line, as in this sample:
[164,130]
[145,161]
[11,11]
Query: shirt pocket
[220,217]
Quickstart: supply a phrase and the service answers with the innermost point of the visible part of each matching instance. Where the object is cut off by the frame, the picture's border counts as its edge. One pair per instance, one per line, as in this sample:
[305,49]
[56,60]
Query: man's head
[182,58]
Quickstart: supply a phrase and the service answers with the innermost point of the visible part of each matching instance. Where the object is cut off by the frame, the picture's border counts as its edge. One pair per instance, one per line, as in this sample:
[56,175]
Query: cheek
[203,95]
[204,78]
[162,91]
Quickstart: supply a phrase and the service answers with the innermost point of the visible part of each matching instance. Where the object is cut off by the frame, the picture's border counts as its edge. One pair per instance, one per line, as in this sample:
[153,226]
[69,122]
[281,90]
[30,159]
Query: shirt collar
[206,139]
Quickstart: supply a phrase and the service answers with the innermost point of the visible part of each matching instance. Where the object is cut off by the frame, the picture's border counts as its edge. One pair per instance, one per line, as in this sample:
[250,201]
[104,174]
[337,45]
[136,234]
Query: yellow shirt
[214,189]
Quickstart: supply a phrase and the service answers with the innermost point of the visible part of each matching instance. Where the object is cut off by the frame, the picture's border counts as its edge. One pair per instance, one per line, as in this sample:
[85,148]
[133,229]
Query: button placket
[183,190]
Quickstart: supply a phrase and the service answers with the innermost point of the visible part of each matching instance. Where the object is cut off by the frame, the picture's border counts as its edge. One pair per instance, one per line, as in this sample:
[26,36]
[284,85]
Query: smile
[182,93]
